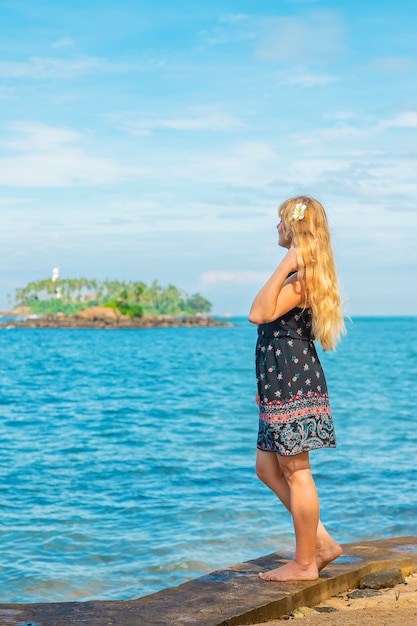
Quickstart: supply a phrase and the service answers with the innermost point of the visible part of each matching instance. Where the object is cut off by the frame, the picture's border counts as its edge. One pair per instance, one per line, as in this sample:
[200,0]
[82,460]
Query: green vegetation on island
[132,298]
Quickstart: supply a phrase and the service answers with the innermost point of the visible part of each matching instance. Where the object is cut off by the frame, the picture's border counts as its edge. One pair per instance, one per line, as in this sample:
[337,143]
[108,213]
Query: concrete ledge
[234,596]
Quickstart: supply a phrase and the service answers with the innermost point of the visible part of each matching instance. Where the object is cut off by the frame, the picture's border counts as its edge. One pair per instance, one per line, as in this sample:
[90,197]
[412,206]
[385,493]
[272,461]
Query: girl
[300,302]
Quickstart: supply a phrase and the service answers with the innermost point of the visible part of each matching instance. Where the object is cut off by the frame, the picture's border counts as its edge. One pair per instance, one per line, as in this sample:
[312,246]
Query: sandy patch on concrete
[393,607]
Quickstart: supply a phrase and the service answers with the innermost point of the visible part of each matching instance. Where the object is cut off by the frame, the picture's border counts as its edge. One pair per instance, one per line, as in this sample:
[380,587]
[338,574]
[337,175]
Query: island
[111,304]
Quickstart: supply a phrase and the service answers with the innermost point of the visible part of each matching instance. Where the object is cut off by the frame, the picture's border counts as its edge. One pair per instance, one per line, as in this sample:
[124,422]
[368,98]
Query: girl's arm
[280,293]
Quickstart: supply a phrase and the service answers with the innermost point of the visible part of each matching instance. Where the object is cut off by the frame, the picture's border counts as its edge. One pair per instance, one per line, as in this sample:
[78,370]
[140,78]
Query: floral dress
[294,410]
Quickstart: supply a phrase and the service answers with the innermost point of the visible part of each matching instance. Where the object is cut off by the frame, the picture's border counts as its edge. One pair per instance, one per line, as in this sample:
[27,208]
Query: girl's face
[283,240]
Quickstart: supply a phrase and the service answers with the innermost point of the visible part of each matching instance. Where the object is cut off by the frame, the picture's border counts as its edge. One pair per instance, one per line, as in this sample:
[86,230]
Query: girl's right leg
[269,472]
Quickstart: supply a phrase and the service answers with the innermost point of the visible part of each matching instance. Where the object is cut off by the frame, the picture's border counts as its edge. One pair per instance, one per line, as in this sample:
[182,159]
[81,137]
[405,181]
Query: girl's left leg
[269,472]
[304,507]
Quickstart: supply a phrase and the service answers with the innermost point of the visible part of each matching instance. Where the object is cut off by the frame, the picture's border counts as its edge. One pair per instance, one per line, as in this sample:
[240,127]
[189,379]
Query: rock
[20,311]
[363,593]
[104,317]
[99,313]
[326,609]
[382,579]
[303,611]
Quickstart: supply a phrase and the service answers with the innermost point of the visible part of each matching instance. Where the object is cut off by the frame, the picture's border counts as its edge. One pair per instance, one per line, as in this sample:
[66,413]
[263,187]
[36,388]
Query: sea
[127,457]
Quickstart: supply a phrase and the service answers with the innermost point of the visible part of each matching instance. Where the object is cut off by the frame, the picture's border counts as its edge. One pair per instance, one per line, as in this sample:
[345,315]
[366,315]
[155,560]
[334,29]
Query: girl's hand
[257,398]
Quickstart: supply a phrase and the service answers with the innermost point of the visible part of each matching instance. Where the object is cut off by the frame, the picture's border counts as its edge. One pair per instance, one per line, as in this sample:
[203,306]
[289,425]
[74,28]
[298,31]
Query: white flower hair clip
[298,213]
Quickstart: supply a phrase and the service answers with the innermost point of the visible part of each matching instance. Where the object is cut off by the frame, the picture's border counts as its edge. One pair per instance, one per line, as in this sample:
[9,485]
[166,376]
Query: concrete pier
[234,596]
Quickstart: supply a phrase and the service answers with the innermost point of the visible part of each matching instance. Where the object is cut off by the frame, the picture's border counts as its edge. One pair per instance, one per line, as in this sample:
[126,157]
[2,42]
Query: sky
[155,140]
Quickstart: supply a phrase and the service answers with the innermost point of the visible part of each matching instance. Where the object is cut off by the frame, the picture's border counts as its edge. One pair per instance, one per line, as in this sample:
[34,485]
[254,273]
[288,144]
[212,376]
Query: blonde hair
[311,238]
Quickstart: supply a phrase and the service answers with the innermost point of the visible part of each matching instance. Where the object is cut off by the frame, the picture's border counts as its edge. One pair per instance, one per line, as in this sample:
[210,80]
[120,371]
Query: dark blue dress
[294,409]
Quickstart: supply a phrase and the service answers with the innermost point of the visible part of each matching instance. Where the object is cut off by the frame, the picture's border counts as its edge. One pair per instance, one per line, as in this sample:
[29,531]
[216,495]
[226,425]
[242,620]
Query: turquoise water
[127,462]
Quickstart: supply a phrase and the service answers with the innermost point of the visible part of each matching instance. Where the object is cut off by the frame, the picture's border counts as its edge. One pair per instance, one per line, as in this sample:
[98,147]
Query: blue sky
[144,140]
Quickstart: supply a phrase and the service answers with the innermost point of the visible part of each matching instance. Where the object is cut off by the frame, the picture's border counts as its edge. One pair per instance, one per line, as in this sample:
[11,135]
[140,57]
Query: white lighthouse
[55,278]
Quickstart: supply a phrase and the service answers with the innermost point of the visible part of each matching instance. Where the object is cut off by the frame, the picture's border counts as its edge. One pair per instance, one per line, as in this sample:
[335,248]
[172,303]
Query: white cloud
[214,122]
[340,115]
[316,37]
[184,123]
[52,157]
[392,180]
[306,79]
[6,93]
[138,205]
[14,201]
[39,137]
[233,18]
[402,120]
[366,128]
[64,169]
[65,42]
[197,119]
[230,29]
[394,65]
[248,163]
[366,159]
[49,68]
[365,177]
[238,277]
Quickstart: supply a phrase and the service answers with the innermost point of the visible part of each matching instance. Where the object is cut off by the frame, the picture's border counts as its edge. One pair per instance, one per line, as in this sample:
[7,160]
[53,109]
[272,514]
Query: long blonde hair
[316,268]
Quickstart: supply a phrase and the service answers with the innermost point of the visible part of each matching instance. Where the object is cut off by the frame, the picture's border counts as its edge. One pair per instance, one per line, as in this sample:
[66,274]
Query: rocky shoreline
[103,317]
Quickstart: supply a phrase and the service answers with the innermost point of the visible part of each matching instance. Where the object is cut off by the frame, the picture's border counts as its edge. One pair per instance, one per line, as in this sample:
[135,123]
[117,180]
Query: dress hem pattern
[295,426]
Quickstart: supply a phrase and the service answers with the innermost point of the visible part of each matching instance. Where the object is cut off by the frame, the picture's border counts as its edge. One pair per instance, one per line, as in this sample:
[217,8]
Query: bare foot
[327,554]
[291,571]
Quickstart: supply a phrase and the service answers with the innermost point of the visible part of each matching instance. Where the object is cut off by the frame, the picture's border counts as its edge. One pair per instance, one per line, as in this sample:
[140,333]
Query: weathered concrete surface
[233,596]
